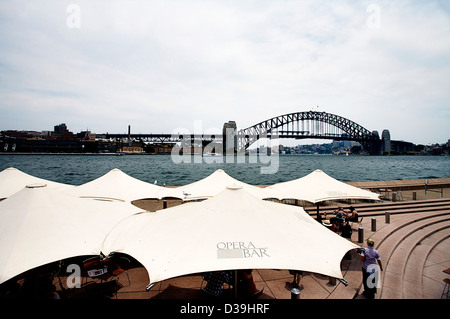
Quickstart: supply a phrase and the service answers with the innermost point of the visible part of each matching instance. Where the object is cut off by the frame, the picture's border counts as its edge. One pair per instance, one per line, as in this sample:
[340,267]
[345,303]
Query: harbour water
[79,169]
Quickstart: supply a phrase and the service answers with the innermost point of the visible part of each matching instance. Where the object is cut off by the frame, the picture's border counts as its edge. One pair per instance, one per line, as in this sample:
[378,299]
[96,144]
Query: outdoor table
[386,192]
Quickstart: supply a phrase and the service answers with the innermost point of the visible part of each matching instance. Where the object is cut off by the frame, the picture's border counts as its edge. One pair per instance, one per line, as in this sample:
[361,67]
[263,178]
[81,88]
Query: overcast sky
[163,65]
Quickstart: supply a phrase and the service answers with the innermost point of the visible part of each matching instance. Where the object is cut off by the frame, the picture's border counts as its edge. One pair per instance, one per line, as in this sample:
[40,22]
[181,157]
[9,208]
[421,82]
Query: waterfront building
[61,132]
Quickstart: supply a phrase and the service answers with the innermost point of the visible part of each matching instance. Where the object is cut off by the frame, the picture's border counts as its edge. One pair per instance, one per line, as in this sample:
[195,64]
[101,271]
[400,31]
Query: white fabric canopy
[39,225]
[233,230]
[211,186]
[13,180]
[117,185]
[318,187]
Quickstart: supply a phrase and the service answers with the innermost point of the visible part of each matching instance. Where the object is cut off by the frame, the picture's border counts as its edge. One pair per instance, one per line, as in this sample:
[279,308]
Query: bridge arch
[310,124]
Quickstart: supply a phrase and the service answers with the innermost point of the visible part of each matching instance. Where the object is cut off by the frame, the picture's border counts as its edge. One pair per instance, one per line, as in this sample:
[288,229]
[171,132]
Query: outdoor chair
[119,266]
[337,224]
[220,284]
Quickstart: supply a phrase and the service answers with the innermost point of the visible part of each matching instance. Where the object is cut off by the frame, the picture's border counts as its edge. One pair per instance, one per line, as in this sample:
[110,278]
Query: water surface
[79,169]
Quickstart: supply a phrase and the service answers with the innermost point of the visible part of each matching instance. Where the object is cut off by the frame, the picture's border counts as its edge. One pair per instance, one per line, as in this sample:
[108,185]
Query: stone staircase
[376,209]
[405,250]
[404,245]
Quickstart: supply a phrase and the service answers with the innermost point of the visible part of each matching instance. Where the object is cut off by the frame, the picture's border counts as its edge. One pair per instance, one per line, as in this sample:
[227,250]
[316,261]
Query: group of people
[371,261]
[340,222]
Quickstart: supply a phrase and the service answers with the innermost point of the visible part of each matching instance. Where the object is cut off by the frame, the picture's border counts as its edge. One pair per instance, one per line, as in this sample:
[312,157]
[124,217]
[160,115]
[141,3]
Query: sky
[166,66]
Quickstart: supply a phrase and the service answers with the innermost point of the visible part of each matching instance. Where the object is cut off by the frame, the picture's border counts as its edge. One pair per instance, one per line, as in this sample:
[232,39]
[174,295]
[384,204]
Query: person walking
[370,257]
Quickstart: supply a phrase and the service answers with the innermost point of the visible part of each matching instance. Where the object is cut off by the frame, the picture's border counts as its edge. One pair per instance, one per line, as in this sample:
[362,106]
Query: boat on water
[212,155]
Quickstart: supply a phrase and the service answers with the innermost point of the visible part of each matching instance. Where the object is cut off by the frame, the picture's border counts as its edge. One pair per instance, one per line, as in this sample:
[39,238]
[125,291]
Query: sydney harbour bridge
[298,125]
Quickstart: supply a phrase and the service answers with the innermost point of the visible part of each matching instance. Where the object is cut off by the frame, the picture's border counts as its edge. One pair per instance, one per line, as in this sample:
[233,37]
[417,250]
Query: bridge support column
[229,134]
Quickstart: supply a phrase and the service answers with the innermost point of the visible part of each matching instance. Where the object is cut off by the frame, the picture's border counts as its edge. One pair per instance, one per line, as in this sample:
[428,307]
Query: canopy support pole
[319,217]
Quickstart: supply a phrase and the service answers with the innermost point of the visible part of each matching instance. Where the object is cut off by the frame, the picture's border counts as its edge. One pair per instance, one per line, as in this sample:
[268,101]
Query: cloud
[160,65]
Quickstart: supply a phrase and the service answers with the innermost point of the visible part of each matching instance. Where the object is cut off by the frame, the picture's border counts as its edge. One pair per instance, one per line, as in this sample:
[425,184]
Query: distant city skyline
[288,142]
[164,65]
